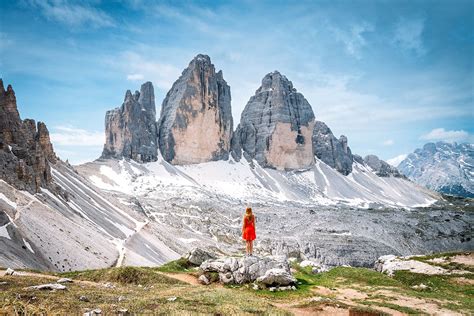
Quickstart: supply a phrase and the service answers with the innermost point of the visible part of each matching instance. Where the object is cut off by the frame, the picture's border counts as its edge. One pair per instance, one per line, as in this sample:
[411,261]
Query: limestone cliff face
[332,151]
[130,130]
[196,120]
[26,152]
[276,126]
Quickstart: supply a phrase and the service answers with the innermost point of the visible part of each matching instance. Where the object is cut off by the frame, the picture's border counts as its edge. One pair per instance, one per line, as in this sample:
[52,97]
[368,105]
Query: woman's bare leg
[247,247]
[251,247]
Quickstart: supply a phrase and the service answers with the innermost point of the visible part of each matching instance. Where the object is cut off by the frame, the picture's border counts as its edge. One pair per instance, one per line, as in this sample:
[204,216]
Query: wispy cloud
[138,67]
[71,136]
[388,142]
[408,35]
[353,38]
[75,14]
[135,77]
[448,135]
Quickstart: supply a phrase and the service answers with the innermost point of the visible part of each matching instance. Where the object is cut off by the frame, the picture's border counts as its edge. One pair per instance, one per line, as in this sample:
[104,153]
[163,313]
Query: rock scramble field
[174,288]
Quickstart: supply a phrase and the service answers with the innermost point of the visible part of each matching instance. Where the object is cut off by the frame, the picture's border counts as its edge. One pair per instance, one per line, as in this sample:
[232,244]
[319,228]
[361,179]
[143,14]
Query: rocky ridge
[332,151]
[382,168]
[26,151]
[130,130]
[196,120]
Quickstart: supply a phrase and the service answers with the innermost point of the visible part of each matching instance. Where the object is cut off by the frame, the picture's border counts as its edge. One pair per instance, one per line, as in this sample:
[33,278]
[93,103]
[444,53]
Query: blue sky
[390,75]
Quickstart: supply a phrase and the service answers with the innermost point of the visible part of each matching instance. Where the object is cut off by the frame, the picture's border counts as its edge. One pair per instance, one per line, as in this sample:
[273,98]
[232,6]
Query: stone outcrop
[196,120]
[197,256]
[130,130]
[332,151]
[276,126]
[234,270]
[381,168]
[26,151]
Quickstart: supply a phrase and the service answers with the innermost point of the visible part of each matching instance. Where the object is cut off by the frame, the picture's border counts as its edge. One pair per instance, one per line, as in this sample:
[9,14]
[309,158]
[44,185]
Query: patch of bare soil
[462,280]
[466,259]
[184,277]
[428,306]
[321,310]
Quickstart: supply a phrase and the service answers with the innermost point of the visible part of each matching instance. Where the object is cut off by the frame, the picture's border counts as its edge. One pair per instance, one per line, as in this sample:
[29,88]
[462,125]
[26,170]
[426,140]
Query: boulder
[276,277]
[195,124]
[330,150]
[130,130]
[9,271]
[234,270]
[64,280]
[276,126]
[197,256]
[49,286]
[204,280]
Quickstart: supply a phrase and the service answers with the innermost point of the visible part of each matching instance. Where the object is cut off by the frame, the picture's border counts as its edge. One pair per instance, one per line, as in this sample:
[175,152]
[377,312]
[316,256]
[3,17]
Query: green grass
[122,275]
[403,309]
[180,265]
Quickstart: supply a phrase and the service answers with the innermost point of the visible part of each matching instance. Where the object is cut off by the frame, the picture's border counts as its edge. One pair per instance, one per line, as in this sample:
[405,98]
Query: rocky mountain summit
[381,168]
[26,151]
[131,129]
[332,151]
[443,167]
[276,126]
[196,120]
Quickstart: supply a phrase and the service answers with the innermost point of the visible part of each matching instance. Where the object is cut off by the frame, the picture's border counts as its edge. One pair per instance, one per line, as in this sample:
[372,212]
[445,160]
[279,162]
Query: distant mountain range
[444,167]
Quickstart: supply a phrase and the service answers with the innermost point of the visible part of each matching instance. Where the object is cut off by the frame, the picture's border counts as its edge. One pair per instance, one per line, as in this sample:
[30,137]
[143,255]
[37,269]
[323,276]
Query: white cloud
[140,67]
[73,14]
[135,77]
[71,136]
[408,35]
[447,136]
[388,142]
[395,161]
[353,39]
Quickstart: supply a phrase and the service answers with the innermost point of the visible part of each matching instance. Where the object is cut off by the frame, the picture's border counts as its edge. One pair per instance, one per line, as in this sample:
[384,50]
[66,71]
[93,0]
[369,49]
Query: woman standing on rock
[248,231]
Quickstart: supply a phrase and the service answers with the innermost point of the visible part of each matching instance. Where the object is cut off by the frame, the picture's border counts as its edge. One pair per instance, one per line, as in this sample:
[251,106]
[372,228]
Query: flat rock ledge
[269,271]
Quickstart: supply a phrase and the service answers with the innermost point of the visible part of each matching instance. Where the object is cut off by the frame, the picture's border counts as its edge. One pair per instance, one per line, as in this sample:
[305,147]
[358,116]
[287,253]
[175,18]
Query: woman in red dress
[248,230]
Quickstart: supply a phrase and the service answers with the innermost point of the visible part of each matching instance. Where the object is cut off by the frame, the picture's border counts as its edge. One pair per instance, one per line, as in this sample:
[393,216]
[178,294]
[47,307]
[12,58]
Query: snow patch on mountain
[247,181]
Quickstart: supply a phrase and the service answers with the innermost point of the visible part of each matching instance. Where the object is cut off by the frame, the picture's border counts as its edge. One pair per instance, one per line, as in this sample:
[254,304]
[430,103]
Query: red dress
[249,229]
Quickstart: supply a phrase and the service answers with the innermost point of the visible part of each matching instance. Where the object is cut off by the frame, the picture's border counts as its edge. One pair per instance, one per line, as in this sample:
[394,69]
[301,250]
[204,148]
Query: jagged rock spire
[130,130]
[196,120]
[276,126]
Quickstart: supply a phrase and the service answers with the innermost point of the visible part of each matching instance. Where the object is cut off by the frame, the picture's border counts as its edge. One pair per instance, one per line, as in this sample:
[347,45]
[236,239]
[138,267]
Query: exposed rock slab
[332,151]
[196,120]
[130,130]
[276,126]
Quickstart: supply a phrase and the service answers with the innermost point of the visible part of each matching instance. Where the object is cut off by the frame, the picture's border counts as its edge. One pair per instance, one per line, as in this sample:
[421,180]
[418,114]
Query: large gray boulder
[196,119]
[381,168]
[197,256]
[332,151]
[276,126]
[130,130]
[247,269]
